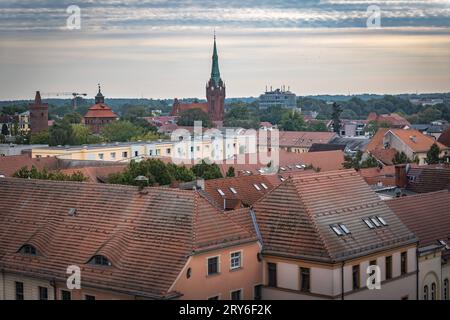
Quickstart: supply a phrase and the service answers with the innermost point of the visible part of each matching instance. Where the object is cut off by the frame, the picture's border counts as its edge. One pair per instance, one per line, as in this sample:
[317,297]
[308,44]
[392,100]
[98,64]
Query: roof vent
[72,212]
[413,138]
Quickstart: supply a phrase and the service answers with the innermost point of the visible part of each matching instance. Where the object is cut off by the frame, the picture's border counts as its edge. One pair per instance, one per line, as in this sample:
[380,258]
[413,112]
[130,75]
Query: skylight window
[283,168]
[221,192]
[100,261]
[375,222]
[368,223]
[282,179]
[233,190]
[337,230]
[298,166]
[28,249]
[264,186]
[383,222]
[345,229]
[257,187]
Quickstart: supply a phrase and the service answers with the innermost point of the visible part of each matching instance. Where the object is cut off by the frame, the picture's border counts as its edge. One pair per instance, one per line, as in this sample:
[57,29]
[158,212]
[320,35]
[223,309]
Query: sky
[163,48]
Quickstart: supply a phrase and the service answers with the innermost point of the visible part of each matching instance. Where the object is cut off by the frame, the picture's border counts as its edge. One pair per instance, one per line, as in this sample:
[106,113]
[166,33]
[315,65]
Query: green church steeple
[215,72]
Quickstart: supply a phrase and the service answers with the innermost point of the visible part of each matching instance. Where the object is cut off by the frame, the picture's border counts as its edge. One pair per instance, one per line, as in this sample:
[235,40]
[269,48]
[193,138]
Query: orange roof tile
[385,175]
[377,140]
[148,236]
[417,141]
[386,156]
[9,165]
[100,110]
[295,218]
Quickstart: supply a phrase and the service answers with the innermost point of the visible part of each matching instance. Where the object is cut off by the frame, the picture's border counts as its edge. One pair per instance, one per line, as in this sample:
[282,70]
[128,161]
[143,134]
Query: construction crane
[75,95]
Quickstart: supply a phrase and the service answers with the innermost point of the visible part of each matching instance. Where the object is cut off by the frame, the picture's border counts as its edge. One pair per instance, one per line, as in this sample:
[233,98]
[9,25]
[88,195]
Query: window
[383,222]
[446,290]
[101,156]
[433,291]
[257,292]
[337,230]
[355,277]
[233,190]
[28,249]
[213,266]
[403,263]
[221,192]
[150,153]
[100,261]
[236,295]
[188,273]
[113,155]
[388,267]
[257,187]
[305,279]
[43,293]
[124,154]
[66,295]
[168,150]
[89,297]
[264,186]
[375,222]
[19,290]
[136,153]
[368,223]
[344,228]
[272,272]
[235,261]
[425,293]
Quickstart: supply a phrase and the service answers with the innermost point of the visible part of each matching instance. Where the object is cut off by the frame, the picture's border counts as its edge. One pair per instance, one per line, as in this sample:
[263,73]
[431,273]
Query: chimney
[401,178]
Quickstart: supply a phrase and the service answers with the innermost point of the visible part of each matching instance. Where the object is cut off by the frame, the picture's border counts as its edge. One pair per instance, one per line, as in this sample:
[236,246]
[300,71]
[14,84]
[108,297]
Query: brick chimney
[401,178]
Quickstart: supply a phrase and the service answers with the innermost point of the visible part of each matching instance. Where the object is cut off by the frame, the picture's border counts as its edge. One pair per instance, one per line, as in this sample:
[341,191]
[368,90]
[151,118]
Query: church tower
[215,89]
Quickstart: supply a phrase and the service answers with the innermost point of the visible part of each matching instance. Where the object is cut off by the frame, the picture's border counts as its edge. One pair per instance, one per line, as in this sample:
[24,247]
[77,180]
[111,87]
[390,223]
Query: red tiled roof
[444,138]
[417,141]
[393,119]
[244,187]
[100,110]
[294,218]
[95,174]
[148,236]
[302,139]
[10,164]
[428,179]
[385,175]
[377,140]
[427,215]
[385,156]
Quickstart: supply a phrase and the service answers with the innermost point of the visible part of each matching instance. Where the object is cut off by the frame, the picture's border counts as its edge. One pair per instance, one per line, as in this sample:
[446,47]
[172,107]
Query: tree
[180,173]
[292,121]
[42,137]
[230,172]
[73,118]
[207,171]
[120,131]
[188,117]
[5,130]
[433,154]
[336,117]
[317,126]
[149,136]
[155,170]
[61,133]
[356,162]
[43,174]
[400,158]
[82,135]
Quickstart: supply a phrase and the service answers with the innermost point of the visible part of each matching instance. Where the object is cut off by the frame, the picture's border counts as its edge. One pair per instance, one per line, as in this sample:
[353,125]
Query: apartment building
[155,243]
[321,232]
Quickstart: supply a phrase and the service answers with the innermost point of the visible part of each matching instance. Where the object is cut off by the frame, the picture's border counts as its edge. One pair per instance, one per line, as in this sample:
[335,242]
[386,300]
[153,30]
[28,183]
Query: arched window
[100,261]
[425,293]
[28,249]
[446,289]
[433,291]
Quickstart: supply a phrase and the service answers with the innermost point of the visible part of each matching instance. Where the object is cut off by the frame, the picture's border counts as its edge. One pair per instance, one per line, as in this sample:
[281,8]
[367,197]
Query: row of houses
[311,236]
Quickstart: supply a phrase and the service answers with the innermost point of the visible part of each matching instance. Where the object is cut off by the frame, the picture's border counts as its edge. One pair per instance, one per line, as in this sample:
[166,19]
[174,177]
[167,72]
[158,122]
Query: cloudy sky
[163,48]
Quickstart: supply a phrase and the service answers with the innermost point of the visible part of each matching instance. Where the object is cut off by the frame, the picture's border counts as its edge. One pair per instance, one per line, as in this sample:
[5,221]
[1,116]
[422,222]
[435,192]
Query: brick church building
[99,114]
[38,115]
[215,95]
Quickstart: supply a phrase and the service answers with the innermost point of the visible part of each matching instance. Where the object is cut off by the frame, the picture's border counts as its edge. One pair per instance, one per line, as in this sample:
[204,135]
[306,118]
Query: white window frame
[220,191]
[242,293]
[257,187]
[233,190]
[240,260]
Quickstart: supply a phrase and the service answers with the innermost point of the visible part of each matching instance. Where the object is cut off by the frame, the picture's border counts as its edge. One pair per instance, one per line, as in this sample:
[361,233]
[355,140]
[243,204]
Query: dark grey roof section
[352,145]
[317,147]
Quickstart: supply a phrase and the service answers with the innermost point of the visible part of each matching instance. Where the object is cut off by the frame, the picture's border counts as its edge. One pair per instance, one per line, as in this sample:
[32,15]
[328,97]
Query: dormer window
[100,261]
[28,249]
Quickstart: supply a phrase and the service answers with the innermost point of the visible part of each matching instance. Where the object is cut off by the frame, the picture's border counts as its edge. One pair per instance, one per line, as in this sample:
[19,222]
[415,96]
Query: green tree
[120,131]
[230,172]
[149,136]
[401,158]
[61,133]
[292,121]
[188,117]
[5,130]
[34,173]
[180,173]
[73,118]
[82,135]
[336,117]
[433,154]
[155,170]
[42,137]
[207,171]
[317,127]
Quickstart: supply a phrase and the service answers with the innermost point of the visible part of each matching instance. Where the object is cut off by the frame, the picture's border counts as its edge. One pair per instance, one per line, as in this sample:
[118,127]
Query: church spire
[215,72]
[99,98]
